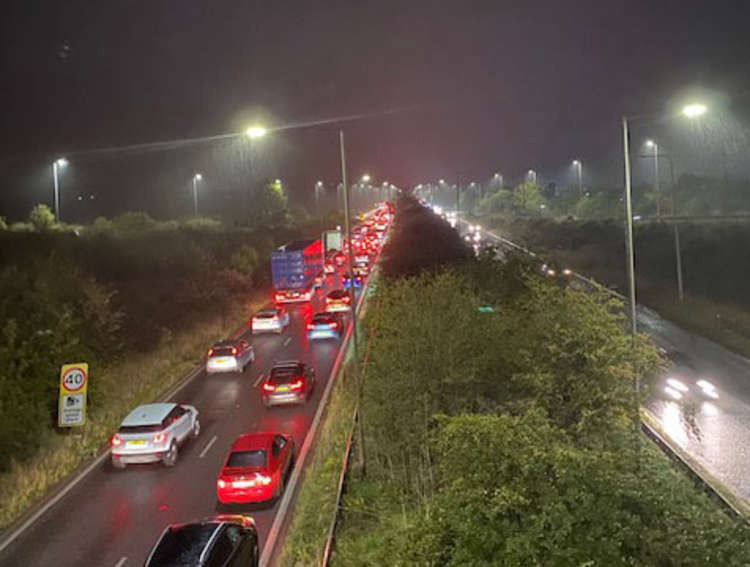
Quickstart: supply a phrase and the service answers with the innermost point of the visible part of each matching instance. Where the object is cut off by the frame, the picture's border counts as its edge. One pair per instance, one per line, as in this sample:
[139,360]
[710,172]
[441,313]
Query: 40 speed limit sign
[72,404]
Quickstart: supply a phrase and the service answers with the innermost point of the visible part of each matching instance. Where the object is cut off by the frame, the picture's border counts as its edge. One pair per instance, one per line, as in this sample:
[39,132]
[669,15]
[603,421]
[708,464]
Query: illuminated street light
[442,182]
[579,170]
[255,132]
[56,165]
[197,177]
[694,110]
[366,178]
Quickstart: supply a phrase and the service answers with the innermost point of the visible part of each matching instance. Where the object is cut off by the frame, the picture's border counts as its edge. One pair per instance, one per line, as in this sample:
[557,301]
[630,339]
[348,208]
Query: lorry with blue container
[294,268]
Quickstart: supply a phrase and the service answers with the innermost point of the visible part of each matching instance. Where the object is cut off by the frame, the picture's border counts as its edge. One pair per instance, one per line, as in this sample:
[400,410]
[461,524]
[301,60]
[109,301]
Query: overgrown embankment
[715,268]
[136,299]
[511,437]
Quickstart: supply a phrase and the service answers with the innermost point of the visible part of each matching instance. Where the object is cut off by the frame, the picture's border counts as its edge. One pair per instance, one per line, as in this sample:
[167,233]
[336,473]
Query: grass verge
[115,390]
[316,500]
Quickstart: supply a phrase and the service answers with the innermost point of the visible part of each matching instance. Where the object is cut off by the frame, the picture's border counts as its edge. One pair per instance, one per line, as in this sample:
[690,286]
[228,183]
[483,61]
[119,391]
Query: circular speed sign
[74,379]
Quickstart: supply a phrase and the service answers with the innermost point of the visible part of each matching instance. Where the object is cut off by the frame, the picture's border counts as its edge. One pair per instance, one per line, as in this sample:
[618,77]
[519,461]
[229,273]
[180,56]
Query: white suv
[152,433]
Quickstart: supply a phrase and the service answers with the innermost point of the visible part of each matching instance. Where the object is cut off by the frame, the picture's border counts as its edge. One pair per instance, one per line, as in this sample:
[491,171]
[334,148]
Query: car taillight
[310,326]
[263,479]
[332,325]
[268,387]
[234,350]
[298,385]
[347,299]
[221,483]
[280,297]
[160,437]
[116,440]
[210,353]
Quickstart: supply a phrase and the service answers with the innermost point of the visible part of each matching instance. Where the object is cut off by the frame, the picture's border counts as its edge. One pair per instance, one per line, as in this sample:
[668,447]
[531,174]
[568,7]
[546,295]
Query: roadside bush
[42,218]
[133,222]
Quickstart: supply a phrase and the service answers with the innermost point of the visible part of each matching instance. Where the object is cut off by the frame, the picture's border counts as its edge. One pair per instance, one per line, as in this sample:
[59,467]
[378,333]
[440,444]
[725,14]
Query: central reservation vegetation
[511,437]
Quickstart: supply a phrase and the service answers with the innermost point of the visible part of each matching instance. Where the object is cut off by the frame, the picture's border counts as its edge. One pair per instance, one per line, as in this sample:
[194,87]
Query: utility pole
[347,228]
[629,229]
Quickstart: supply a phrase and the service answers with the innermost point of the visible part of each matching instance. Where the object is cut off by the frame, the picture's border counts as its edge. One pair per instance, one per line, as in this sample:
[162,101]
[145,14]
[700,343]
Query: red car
[256,469]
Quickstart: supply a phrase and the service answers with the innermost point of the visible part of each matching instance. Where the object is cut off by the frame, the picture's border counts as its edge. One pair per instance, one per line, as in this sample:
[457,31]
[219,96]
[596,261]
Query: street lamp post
[691,111]
[579,170]
[318,189]
[657,187]
[197,177]
[56,165]
[629,230]
[347,228]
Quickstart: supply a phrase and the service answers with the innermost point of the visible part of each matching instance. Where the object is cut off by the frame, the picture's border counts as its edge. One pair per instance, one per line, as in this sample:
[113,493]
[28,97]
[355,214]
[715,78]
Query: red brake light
[268,387]
[221,483]
[210,352]
[310,326]
[160,437]
[347,299]
[116,440]
[280,297]
[332,325]
[234,350]
[298,385]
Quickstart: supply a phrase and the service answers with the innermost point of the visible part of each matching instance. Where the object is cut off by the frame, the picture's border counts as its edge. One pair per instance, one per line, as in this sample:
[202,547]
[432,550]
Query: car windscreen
[323,319]
[339,294]
[247,459]
[222,351]
[148,428]
[182,546]
[265,315]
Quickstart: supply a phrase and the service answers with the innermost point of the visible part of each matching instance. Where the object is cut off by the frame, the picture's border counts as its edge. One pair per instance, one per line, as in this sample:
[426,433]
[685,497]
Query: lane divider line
[287,341]
[121,562]
[258,381]
[208,446]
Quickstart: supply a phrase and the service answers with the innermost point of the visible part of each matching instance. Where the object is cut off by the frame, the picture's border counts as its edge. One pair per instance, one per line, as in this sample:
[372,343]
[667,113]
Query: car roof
[286,363]
[148,414]
[271,310]
[325,316]
[252,441]
[226,343]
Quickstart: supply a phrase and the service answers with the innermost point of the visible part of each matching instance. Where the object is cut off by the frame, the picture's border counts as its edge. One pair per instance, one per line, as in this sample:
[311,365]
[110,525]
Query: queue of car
[258,464]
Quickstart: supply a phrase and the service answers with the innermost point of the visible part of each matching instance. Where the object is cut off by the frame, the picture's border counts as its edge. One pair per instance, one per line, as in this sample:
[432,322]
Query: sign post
[71,409]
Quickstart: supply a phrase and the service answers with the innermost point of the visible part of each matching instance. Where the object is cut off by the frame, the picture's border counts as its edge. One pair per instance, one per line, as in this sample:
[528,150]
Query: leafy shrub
[42,218]
[133,222]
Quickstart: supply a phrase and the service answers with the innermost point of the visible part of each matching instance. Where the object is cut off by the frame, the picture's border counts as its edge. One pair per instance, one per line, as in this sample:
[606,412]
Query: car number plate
[220,360]
[282,389]
[136,443]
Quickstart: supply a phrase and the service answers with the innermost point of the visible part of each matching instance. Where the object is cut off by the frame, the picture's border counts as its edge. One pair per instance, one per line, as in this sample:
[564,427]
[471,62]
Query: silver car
[152,433]
[229,356]
[272,320]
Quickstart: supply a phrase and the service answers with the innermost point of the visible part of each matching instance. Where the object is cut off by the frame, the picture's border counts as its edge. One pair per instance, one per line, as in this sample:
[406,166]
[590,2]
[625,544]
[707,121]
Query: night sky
[464,86]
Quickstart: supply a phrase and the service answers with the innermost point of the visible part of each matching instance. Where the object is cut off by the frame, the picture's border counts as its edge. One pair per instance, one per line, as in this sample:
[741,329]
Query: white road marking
[121,562]
[258,381]
[207,447]
[287,341]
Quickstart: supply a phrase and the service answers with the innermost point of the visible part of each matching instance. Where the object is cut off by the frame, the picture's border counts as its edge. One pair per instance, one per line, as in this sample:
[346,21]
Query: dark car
[290,382]
[224,540]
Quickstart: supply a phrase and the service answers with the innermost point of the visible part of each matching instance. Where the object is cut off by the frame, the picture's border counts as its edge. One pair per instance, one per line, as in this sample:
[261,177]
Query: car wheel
[170,457]
[118,463]
[196,429]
